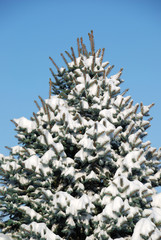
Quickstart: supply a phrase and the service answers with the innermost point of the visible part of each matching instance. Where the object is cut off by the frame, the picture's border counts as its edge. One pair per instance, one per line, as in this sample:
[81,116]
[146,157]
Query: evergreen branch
[56,79]
[55,90]
[26,150]
[2,170]
[63,95]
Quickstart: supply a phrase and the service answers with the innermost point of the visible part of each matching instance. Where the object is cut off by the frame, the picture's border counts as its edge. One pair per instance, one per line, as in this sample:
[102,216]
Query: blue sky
[31,31]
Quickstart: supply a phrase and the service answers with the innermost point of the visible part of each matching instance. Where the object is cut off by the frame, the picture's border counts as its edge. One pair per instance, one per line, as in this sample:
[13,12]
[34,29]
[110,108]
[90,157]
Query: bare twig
[64,60]
[73,55]
[54,64]
[50,83]
[69,55]
[102,54]
[78,47]
[37,104]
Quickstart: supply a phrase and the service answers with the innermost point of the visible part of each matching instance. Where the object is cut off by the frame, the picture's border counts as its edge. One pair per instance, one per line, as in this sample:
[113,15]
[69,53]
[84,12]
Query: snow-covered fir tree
[82,170]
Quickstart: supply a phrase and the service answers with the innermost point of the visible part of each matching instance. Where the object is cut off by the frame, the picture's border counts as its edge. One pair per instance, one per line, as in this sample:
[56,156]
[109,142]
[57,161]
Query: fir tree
[82,170]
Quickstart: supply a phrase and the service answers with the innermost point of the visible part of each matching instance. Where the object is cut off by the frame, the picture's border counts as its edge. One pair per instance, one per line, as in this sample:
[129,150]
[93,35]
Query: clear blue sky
[33,30]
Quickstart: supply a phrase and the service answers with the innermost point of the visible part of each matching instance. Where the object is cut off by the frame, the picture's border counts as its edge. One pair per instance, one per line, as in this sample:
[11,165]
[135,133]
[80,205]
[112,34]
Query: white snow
[81,155]
[93,89]
[118,101]
[156,200]
[21,179]
[17,149]
[79,88]
[155,216]
[10,165]
[105,99]
[62,69]
[4,237]
[145,109]
[88,61]
[58,147]
[55,128]
[84,104]
[69,172]
[145,227]
[31,162]
[134,138]
[55,102]
[104,63]
[110,127]
[25,123]
[92,175]
[108,114]
[42,229]
[113,87]
[70,222]
[46,137]
[30,212]
[131,160]
[98,129]
[47,156]
[86,142]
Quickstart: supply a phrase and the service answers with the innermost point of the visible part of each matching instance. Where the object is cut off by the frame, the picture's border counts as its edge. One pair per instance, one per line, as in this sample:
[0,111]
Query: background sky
[31,31]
